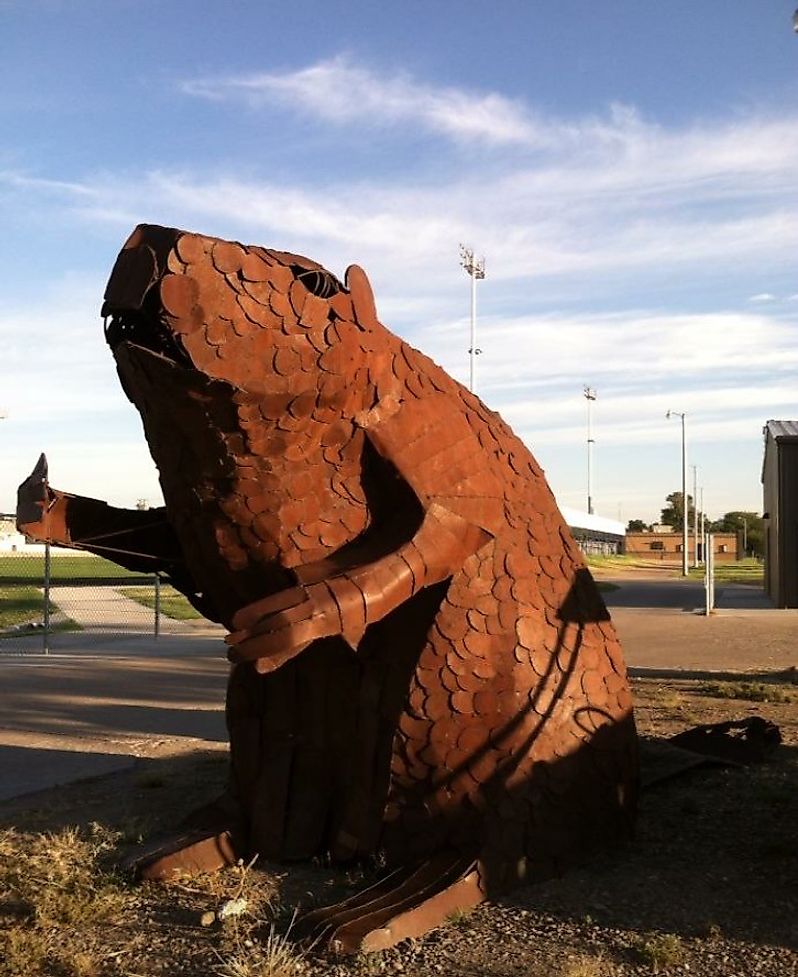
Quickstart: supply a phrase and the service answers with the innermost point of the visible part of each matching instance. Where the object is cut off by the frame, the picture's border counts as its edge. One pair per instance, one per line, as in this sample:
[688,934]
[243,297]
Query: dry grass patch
[272,954]
[585,966]
[60,877]
[54,890]
[748,691]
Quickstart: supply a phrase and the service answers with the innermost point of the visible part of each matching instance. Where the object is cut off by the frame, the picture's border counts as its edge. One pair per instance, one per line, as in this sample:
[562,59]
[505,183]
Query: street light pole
[590,396]
[476,269]
[682,415]
[703,534]
[695,515]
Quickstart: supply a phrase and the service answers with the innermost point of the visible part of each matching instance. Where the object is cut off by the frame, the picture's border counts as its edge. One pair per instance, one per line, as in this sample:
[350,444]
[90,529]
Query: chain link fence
[50,594]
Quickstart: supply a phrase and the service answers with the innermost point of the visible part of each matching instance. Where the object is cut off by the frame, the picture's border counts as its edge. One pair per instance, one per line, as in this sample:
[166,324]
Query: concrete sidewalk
[107,608]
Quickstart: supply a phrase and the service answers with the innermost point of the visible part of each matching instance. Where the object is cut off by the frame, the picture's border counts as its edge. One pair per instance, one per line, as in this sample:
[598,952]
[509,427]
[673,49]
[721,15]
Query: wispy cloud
[341,92]
[610,153]
[575,214]
[564,195]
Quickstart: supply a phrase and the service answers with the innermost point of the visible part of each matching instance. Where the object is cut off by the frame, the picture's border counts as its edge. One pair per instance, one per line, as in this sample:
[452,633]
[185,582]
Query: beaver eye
[320,283]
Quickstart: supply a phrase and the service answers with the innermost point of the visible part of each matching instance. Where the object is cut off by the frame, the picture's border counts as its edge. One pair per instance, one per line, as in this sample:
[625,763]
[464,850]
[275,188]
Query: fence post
[46,636]
[157,622]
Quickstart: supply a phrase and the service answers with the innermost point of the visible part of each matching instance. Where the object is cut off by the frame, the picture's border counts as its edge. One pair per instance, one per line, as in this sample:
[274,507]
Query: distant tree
[637,526]
[673,513]
[750,525]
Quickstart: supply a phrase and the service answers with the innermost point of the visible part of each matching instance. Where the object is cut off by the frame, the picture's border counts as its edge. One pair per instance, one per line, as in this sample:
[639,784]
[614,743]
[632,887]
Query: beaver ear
[359,288]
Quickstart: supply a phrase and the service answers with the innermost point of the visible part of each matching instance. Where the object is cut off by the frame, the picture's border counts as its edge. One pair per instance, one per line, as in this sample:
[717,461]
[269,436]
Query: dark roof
[782,430]
[777,431]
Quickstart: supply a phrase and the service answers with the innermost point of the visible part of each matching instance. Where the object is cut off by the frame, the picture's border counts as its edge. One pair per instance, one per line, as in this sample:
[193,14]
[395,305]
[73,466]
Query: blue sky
[628,170]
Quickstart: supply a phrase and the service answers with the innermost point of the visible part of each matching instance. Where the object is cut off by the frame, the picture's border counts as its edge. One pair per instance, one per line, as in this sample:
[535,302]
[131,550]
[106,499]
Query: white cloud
[612,154]
[574,214]
[341,92]
[625,349]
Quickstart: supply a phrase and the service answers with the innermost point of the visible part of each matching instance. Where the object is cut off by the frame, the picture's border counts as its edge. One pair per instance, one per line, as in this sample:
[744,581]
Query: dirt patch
[706,889]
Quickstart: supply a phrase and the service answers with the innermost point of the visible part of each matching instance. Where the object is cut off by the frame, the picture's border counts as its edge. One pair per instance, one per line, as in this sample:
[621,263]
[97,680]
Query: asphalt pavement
[96,704]
[92,707]
[664,630]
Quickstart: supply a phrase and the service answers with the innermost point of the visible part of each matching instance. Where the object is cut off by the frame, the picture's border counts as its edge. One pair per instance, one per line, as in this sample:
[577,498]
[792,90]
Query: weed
[24,951]
[749,691]
[583,966]
[274,955]
[670,699]
[659,950]
[259,891]
[458,918]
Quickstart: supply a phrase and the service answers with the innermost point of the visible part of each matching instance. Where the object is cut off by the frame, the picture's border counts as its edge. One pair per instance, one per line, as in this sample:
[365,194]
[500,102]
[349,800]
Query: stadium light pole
[476,269]
[590,396]
[682,415]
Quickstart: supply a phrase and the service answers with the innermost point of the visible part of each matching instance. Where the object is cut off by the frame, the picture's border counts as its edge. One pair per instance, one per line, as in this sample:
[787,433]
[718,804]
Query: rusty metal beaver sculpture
[423,666]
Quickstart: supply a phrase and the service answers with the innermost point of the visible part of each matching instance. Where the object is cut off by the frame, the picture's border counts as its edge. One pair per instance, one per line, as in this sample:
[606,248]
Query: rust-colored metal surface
[423,666]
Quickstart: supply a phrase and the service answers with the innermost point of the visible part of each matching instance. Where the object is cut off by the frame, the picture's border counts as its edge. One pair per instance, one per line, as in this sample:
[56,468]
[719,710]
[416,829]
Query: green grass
[620,560]
[25,605]
[62,567]
[18,605]
[173,603]
[749,571]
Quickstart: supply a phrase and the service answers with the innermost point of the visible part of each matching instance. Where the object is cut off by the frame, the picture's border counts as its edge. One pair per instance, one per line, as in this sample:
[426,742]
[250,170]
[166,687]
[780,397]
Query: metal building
[594,534]
[780,511]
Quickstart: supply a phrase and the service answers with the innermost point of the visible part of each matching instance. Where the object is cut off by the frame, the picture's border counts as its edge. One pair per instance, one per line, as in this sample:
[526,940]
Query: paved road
[656,592]
[95,705]
[90,709]
[662,628]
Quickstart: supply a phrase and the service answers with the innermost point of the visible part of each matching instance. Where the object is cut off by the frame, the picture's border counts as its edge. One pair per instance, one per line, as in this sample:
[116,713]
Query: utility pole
[590,396]
[682,415]
[476,269]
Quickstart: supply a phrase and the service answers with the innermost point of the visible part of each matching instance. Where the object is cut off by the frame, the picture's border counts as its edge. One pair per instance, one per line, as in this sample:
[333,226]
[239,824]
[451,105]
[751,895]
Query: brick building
[666,545]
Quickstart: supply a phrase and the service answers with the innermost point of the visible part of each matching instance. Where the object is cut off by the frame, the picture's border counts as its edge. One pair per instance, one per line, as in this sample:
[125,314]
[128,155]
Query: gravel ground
[707,888]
